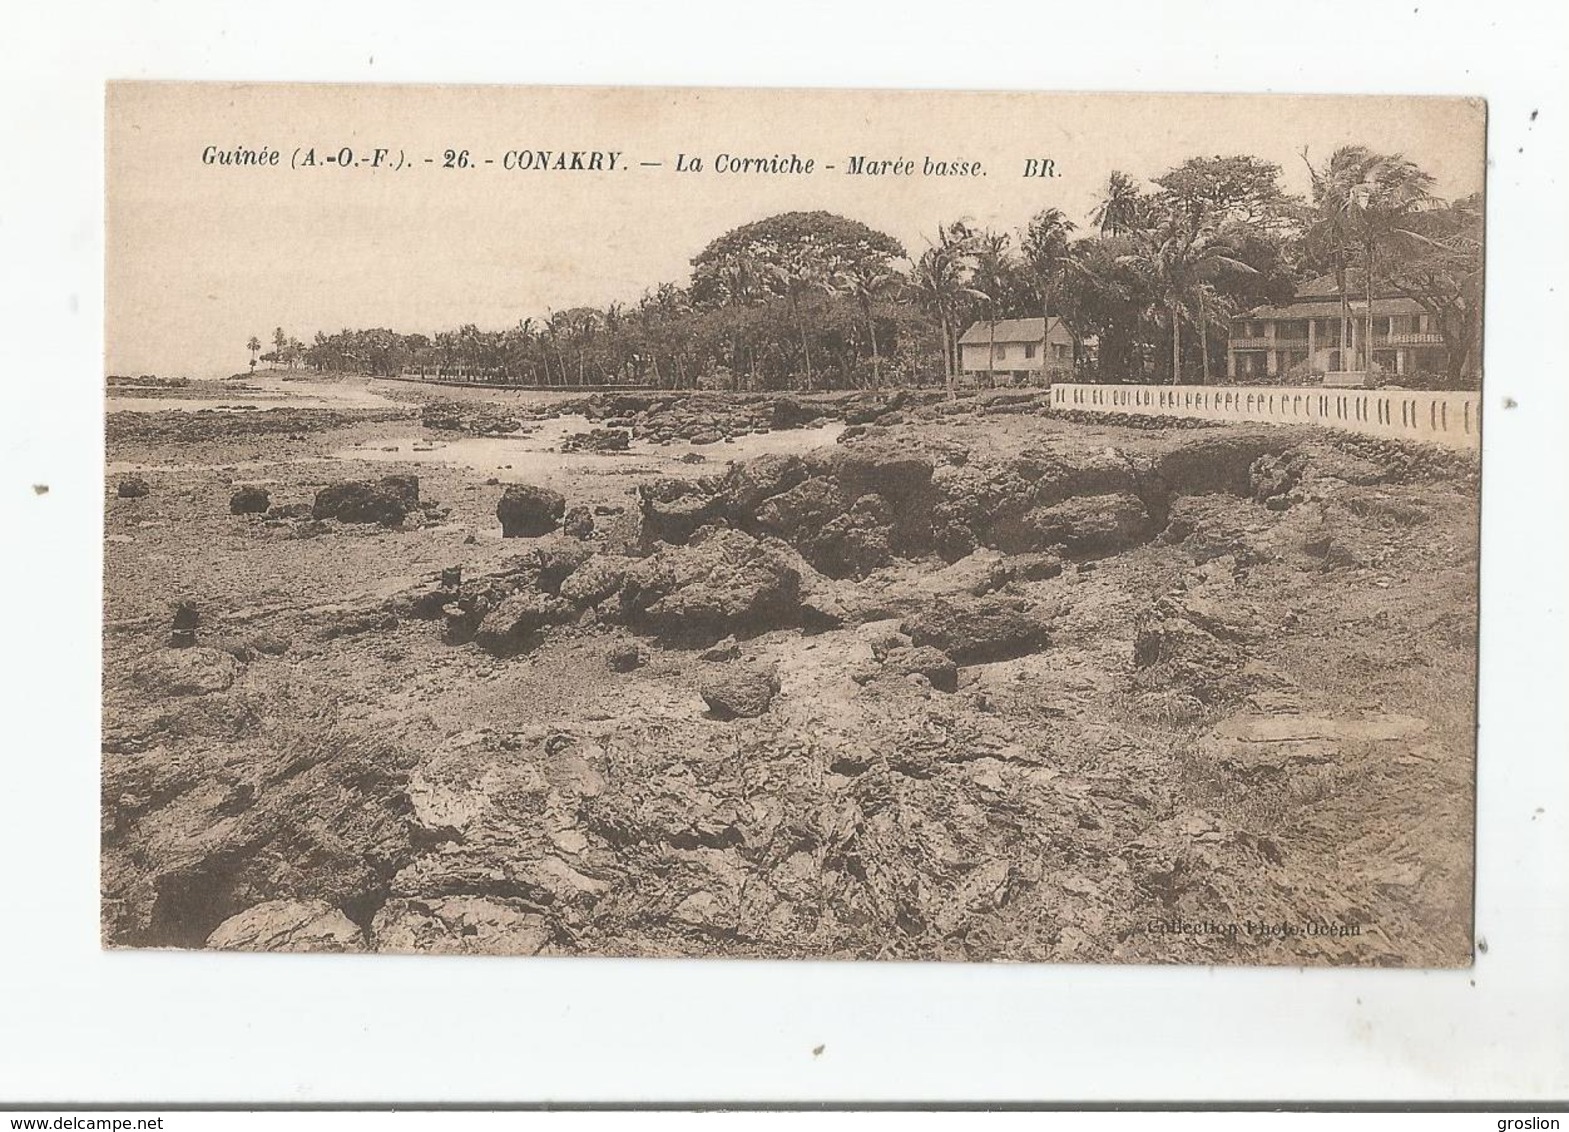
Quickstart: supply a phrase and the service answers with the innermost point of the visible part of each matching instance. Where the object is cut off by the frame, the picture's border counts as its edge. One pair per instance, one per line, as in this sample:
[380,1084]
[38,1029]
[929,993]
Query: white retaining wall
[1453,420]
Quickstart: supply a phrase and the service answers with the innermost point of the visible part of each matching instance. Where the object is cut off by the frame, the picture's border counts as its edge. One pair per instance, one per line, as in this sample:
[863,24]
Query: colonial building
[1299,341]
[1018,349]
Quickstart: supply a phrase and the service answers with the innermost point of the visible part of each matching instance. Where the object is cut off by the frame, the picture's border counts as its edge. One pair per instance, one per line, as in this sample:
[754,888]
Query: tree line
[813,300]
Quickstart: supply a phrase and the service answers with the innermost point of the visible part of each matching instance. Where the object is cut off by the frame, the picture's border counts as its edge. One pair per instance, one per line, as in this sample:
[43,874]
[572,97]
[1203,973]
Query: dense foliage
[815,300]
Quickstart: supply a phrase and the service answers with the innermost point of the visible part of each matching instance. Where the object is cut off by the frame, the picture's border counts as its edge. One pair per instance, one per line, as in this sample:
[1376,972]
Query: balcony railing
[1329,342]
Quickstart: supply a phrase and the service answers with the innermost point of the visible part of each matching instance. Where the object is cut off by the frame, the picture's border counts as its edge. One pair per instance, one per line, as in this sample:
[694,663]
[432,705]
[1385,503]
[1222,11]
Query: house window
[1029,349]
[1001,352]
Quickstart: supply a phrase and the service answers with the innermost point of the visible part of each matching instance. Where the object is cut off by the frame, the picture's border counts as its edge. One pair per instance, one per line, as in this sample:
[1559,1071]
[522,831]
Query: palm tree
[1045,248]
[1176,259]
[866,282]
[942,280]
[1391,191]
[1362,200]
[1330,231]
[1121,211]
[991,280]
[254,345]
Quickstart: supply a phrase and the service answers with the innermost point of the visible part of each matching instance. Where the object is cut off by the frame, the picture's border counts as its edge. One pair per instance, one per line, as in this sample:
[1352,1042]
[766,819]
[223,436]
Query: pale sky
[200,257]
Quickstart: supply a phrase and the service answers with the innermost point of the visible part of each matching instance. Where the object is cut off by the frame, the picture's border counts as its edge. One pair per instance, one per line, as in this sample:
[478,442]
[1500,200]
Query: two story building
[1017,350]
[1299,341]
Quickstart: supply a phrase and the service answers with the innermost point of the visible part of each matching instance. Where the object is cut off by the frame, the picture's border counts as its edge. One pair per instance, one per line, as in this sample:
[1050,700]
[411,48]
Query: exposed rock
[598,440]
[938,669]
[516,622]
[1218,460]
[1275,476]
[1094,524]
[284,511]
[890,470]
[360,501]
[579,523]
[132,487]
[192,671]
[459,925]
[310,814]
[727,649]
[749,483]
[855,543]
[288,925]
[1172,653]
[527,511]
[801,510]
[594,580]
[978,630]
[557,561]
[739,691]
[673,509]
[248,500]
[724,581]
[623,657]
[183,625]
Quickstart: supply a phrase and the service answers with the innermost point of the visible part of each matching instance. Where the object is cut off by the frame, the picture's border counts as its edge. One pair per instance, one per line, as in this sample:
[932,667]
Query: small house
[1017,350]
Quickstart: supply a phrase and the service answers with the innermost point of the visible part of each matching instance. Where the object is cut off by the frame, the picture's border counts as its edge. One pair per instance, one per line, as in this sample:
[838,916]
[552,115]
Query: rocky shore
[972,682]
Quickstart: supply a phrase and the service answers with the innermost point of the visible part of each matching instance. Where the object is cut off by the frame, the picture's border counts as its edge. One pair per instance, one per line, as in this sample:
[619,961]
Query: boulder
[598,440]
[558,561]
[527,511]
[404,488]
[978,630]
[623,657]
[674,509]
[360,501]
[751,482]
[288,925]
[882,467]
[594,580]
[727,649]
[248,500]
[132,487]
[737,691]
[1093,524]
[804,508]
[855,543]
[515,622]
[579,523]
[724,581]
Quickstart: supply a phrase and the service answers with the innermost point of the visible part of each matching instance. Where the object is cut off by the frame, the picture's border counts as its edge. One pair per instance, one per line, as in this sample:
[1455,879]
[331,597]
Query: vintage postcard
[791,523]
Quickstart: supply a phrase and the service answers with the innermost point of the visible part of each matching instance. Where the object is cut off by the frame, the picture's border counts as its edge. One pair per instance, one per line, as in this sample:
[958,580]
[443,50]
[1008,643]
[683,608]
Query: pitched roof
[1011,330]
[1299,308]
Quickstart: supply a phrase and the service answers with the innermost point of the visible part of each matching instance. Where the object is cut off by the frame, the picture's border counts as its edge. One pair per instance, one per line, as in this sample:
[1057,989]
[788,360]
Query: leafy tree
[1440,266]
[1213,191]
[254,346]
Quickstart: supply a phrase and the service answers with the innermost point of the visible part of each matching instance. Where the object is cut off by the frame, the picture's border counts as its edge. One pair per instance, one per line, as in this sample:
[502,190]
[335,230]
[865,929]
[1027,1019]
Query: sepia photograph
[791,524]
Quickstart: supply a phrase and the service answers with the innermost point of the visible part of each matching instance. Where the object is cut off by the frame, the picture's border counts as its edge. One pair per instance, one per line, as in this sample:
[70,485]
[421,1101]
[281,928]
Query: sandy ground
[1244,734]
